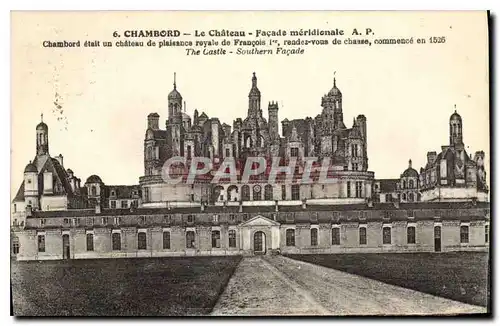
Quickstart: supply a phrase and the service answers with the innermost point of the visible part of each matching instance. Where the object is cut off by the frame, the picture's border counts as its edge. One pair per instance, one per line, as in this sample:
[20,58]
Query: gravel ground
[258,288]
[277,285]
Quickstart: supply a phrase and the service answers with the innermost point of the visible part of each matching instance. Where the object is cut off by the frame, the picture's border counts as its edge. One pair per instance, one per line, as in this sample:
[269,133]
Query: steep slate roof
[387,185]
[124,191]
[346,209]
[48,164]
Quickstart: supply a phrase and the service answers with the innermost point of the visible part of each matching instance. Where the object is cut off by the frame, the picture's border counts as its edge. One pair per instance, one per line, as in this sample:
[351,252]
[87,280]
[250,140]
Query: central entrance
[259,243]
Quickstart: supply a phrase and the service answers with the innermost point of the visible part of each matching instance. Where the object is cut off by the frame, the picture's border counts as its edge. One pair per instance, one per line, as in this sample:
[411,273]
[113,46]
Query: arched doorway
[437,238]
[259,243]
[66,248]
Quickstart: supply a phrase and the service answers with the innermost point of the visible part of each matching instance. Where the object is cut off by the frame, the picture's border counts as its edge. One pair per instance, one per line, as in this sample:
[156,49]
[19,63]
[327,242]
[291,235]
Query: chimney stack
[59,159]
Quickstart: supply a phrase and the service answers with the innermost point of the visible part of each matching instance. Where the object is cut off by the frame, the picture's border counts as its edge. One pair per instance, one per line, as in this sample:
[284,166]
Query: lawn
[461,276]
[126,287]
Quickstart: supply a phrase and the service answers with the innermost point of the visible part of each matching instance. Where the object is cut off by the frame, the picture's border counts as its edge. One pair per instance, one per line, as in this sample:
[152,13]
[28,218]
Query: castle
[55,217]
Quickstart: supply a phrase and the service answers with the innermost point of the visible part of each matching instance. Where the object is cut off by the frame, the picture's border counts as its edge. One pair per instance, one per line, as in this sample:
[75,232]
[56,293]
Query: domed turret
[30,168]
[42,138]
[42,126]
[335,91]
[174,94]
[254,99]
[455,117]
[254,91]
[174,101]
[31,185]
[94,179]
[456,130]
[410,172]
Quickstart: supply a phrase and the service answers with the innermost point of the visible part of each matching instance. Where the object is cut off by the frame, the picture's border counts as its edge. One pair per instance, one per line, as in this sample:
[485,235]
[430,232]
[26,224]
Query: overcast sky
[407,93]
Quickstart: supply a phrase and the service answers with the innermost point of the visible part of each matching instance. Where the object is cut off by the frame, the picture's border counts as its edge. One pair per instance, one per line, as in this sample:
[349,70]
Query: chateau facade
[325,136]
[443,208]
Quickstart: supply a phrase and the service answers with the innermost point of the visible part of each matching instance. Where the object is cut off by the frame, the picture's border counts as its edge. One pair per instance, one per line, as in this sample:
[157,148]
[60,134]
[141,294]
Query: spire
[175,84]
[41,117]
[254,80]
[334,81]
[409,164]
[184,106]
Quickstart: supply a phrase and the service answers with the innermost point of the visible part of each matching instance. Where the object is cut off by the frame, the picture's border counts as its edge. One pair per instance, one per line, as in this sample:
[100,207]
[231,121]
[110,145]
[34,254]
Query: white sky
[407,93]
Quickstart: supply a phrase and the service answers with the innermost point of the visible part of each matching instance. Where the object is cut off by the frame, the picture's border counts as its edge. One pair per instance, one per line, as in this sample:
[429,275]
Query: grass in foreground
[114,287]
[460,276]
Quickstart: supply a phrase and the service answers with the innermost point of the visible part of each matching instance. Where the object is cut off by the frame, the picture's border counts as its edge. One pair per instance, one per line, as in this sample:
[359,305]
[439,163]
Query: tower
[174,102]
[31,185]
[254,99]
[456,130]
[175,118]
[332,115]
[361,123]
[273,121]
[42,138]
[153,119]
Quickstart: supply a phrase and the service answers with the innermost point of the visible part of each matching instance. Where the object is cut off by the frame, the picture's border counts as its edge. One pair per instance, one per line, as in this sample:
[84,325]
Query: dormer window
[113,193]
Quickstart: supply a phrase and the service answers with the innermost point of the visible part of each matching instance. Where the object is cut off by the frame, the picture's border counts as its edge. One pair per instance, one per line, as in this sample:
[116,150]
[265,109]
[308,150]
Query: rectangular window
[232,238]
[66,221]
[215,239]
[295,192]
[166,240]
[190,239]
[190,218]
[290,237]
[90,242]
[117,221]
[231,217]
[355,166]
[354,150]
[314,237]
[336,236]
[362,235]
[283,192]
[410,235]
[294,152]
[359,189]
[15,245]
[124,204]
[141,241]
[228,152]
[90,221]
[486,233]
[117,241]
[464,234]
[215,218]
[386,235]
[348,189]
[41,243]
[113,204]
